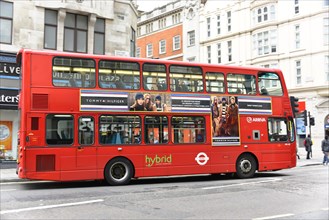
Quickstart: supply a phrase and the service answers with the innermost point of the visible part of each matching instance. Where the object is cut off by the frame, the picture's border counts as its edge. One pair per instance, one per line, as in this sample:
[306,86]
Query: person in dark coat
[325,150]
[308,146]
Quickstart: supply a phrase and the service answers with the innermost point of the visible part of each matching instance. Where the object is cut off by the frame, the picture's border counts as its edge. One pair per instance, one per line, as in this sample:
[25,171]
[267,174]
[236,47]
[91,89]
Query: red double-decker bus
[94,117]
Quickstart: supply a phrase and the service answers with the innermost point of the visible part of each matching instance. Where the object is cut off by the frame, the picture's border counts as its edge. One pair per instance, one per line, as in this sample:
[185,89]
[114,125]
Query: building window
[50,29]
[208,27]
[259,15]
[75,33]
[176,42]
[149,50]
[219,53]
[272,12]
[162,23]
[138,52]
[326,31]
[296,6]
[298,72]
[191,38]
[326,67]
[176,18]
[229,50]
[209,54]
[297,36]
[263,14]
[139,31]
[229,21]
[133,43]
[162,46]
[99,36]
[149,28]
[6,22]
[265,42]
[218,24]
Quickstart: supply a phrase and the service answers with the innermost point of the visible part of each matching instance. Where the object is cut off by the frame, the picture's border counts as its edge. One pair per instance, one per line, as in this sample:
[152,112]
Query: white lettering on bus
[251,120]
[86,125]
[64,75]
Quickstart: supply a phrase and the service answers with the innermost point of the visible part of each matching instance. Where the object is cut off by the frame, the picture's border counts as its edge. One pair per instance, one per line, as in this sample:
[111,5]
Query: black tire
[246,166]
[118,171]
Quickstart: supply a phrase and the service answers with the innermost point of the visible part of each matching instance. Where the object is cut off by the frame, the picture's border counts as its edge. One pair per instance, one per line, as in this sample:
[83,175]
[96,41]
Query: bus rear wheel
[118,171]
[246,166]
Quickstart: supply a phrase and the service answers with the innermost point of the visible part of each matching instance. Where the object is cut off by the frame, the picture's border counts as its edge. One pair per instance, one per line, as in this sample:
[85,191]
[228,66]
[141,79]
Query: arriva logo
[156,160]
[250,119]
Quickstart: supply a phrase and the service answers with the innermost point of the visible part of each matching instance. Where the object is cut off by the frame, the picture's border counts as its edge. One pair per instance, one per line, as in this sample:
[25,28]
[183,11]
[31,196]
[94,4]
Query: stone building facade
[81,26]
[289,35]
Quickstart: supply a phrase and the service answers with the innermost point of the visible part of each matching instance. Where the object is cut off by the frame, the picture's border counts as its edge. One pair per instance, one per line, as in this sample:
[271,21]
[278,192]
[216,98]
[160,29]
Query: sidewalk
[8,168]
[317,157]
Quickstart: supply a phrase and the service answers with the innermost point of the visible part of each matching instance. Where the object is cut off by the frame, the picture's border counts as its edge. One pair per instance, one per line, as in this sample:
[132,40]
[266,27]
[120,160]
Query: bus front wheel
[118,171]
[246,166]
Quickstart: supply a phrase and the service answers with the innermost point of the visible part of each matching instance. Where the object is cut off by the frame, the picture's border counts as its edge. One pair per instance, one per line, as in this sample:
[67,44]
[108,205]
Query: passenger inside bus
[182,87]
[263,91]
[119,84]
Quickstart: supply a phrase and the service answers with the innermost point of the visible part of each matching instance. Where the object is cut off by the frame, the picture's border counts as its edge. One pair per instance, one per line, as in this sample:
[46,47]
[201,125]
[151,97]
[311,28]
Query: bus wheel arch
[119,171]
[246,165]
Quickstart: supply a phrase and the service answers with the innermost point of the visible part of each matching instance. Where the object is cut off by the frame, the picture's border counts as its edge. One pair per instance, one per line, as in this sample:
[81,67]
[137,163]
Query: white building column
[91,30]
[60,29]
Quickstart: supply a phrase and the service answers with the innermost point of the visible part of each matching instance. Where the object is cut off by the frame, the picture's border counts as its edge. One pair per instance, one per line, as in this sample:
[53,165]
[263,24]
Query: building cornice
[322,91]
[158,17]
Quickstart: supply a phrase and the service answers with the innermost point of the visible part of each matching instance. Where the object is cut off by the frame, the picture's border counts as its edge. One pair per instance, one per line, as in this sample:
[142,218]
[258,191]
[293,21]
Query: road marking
[273,216]
[242,184]
[50,206]
[7,190]
[325,209]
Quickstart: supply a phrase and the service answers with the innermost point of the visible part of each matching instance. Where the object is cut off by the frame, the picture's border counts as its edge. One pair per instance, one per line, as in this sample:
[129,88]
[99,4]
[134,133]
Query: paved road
[298,193]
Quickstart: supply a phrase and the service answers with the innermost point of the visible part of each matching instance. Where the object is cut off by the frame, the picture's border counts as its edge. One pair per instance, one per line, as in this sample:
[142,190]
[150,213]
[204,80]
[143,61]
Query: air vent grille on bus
[45,163]
[40,101]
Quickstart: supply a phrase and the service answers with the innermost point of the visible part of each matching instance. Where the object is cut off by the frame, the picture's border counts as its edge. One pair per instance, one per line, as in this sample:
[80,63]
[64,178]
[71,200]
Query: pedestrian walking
[325,150]
[308,146]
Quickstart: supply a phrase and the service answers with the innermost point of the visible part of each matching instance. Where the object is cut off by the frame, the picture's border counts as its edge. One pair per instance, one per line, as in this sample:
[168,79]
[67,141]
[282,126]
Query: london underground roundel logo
[202,158]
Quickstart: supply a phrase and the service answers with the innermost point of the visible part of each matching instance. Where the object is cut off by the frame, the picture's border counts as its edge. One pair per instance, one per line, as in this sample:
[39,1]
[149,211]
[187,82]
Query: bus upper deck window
[215,82]
[74,72]
[240,83]
[269,84]
[154,77]
[185,78]
[119,75]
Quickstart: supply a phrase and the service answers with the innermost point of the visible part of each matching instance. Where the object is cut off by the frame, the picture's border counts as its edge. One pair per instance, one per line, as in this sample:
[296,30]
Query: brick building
[159,33]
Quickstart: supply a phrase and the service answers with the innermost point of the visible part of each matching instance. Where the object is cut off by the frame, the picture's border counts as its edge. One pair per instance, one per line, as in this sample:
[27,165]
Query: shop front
[9,96]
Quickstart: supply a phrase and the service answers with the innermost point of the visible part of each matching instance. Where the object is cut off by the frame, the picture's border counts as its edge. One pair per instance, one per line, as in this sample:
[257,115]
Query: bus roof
[145,60]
